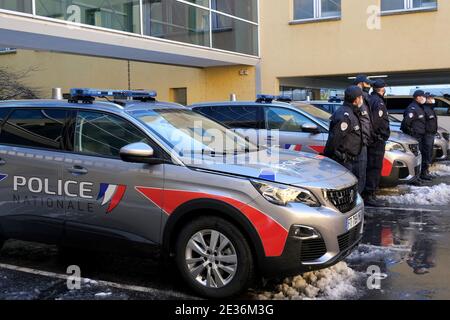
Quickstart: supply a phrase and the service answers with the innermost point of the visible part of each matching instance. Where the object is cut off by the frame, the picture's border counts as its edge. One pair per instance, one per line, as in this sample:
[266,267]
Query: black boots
[426,175]
[370,200]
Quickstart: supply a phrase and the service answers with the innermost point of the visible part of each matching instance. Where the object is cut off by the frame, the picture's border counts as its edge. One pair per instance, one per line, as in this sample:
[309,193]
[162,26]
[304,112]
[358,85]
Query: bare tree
[12,85]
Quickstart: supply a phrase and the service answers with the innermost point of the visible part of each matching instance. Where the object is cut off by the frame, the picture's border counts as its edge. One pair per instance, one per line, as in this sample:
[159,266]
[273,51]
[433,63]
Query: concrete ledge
[25,32]
[305,21]
[397,12]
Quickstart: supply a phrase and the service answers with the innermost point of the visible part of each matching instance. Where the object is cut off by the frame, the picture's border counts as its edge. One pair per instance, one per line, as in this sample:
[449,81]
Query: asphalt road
[408,243]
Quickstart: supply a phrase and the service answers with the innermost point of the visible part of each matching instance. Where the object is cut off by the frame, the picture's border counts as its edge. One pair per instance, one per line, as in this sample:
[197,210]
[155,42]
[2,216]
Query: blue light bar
[81,93]
[267,98]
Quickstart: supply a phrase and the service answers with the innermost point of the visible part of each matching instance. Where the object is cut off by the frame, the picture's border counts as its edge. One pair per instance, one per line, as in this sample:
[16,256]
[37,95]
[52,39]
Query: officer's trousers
[423,150]
[359,169]
[428,146]
[375,156]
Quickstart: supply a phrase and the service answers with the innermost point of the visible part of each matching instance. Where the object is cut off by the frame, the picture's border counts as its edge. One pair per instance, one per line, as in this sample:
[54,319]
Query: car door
[284,127]
[31,155]
[103,202]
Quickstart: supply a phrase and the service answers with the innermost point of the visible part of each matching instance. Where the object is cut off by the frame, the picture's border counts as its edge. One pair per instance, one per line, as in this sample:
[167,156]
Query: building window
[230,25]
[17,5]
[177,21]
[316,9]
[404,5]
[120,15]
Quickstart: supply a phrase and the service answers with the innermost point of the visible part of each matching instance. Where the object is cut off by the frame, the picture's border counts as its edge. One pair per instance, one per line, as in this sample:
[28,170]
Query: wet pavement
[408,246]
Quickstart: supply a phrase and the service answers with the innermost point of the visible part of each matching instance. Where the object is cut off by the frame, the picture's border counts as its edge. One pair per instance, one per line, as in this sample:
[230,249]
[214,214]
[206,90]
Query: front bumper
[300,256]
[406,168]
[440,149]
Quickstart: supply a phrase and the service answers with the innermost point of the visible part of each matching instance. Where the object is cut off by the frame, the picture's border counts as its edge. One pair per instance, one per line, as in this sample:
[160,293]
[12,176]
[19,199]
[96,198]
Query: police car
[136,172]
[300,126]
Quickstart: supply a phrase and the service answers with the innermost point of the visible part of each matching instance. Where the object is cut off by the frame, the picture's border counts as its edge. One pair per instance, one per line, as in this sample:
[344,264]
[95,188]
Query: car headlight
[394,146]
[283,194]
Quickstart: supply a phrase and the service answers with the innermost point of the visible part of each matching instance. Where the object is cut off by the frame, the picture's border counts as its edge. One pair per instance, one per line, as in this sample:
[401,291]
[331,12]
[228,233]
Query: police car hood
[284,166]
[398,136]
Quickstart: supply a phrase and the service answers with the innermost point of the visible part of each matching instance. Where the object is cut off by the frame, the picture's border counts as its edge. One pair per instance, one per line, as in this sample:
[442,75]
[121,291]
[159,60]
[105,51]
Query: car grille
[349,238]
[446,135]
[312,249]
[414,149]
[344,200]
[403,173]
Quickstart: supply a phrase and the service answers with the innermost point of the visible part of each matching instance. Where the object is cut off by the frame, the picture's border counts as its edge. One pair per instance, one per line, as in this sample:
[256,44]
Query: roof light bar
[87,95]
[265,98]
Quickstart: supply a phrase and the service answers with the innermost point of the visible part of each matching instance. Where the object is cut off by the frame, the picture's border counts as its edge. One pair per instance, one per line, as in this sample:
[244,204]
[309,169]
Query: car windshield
[317,113]
[187,132]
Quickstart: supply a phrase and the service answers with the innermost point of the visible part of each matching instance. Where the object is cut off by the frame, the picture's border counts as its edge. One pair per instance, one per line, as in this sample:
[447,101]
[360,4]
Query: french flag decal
[293,147]
[111,193]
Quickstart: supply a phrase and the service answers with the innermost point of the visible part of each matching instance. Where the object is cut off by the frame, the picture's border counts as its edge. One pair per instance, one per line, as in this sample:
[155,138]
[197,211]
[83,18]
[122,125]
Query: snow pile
[440,170]
[336,282]
[371,253]
[435,195]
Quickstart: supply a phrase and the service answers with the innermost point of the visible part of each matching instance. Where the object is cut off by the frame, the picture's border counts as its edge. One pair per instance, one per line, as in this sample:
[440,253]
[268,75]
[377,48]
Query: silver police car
[300,126]
[135,173]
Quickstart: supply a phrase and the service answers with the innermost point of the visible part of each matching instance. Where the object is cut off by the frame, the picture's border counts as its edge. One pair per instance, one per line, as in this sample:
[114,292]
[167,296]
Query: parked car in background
[397,105]
[303,127]
[441,149]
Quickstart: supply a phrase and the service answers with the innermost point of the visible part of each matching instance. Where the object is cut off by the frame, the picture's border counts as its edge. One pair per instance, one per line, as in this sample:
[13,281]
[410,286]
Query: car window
[103,134]
[398,104]
[284,119]
[442,108]
[41,128]
[232,116]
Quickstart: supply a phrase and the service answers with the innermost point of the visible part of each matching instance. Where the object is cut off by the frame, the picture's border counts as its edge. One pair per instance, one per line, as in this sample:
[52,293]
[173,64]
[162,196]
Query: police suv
[135,172]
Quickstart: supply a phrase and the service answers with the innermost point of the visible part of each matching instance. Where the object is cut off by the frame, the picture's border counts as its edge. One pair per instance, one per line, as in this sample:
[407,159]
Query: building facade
[316,44]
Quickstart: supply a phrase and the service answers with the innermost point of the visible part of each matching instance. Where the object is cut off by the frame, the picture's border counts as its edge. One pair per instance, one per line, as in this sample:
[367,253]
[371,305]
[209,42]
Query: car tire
[230,268]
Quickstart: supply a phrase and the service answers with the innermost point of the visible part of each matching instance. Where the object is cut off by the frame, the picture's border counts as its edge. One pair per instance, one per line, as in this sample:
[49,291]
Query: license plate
[354,220]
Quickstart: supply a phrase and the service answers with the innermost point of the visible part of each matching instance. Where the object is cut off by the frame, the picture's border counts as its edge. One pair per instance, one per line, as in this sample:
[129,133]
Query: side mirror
[310,128]
[139,153]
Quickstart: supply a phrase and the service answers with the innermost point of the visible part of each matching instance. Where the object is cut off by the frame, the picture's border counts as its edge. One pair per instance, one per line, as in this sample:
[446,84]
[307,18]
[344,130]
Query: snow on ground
[440,170]
[336,282]
[371,253]
[435,195]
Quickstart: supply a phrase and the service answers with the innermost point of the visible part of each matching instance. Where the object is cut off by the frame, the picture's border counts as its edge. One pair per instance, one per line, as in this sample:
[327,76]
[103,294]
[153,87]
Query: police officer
[376,149]
[345,137]
[415,124]
[360,165]
[430,132]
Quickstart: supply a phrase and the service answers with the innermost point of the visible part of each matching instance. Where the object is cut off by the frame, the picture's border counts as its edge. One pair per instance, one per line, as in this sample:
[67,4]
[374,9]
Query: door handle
[77,170]
[2,162]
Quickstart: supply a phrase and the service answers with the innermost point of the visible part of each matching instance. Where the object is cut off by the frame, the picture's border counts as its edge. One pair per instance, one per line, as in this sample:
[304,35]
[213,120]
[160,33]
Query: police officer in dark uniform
[380,134]
[345,137]
[415,124]
[360,165]
[430,131]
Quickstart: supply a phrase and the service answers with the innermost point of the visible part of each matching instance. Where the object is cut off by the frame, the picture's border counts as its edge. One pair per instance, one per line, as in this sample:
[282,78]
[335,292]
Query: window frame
[70,135]
[11,110]
[259,115]
[317,8]
[266,124]
[408,7]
